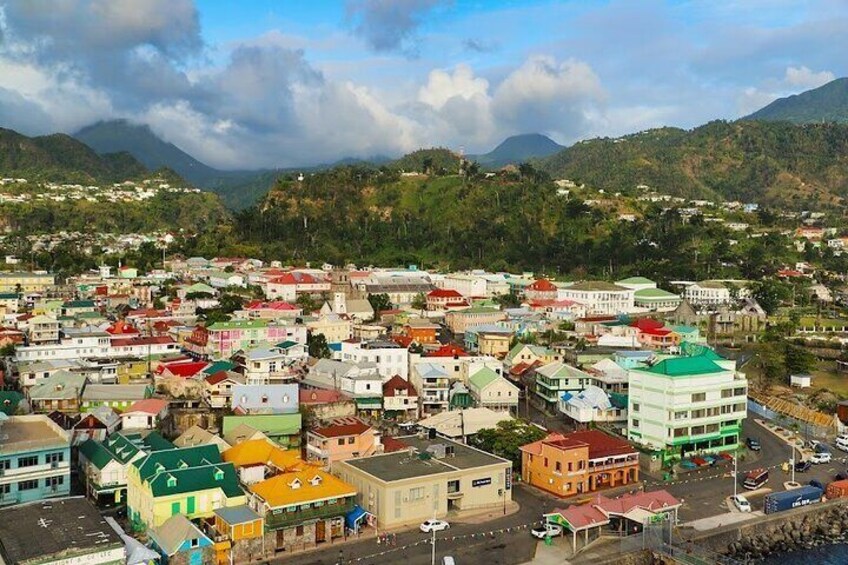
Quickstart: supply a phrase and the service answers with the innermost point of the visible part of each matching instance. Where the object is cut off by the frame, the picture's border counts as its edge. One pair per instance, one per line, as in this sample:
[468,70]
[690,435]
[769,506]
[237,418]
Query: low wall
[777,533]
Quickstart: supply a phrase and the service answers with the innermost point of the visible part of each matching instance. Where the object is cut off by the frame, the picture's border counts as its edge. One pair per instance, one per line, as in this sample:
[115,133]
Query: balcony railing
[283,519]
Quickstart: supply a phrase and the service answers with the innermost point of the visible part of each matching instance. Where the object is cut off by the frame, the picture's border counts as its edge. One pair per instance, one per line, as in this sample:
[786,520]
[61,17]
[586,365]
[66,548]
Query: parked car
[741,503]
[434,526]
[546,530]
[816,483]
[448,560]
[822,457]
[822,448]
[753,444]
[842,442]
[802,466]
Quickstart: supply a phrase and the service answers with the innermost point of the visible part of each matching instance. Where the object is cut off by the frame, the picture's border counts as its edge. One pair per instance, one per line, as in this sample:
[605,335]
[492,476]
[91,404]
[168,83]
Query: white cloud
[442,86]
[805,78]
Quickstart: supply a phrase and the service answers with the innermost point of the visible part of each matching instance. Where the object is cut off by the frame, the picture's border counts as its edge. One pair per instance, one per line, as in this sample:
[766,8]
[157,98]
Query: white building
[600,298]
[715,293]
[84,344]
[390,358]
[687,405]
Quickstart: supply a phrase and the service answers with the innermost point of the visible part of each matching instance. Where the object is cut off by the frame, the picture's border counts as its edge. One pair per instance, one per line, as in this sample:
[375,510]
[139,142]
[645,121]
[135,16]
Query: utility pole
[792,463]
[433,552]
[735,476]
[462,424]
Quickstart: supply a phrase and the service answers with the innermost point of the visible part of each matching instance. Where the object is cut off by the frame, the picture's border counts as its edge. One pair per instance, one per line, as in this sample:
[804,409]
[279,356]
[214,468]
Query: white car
[546,530]
[842,442]
[434,526]
[741,503]
[819,458]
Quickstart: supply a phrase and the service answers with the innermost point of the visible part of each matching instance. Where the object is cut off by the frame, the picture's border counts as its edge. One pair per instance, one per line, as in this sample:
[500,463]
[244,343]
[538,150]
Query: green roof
[268,424]
[286,344]
[685,366]
[686,330]
[9,295]
[239,325]
[79,304]
[596,286]
[219,366]
[483,378]
[122,447]
[174,459]
[200,287]
[648,293]
[696,349]
[635,280]
[479,310]
[9,401]
[194,479]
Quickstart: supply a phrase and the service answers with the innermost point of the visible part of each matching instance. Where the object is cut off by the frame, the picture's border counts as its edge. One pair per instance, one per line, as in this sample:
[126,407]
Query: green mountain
[61,158]
[767,162]
[518,149]
[828,103]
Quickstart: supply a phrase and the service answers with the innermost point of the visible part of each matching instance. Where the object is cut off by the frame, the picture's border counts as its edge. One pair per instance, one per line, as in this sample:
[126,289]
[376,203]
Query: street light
[433,554]
[735,479]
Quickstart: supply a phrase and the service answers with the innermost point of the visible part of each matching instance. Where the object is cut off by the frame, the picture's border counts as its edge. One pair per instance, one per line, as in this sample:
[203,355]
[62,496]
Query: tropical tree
[505,440]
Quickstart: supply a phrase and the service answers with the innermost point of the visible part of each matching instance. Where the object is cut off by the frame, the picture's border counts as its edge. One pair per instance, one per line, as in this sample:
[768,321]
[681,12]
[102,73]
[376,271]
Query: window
[298,531]
[341,441]
[570,466]
[739,391]
[5,489]
[546,461]
[727,393]
[55,457]
[54,482]
[697,430]
[712,428]
[681,415]
[4,464]
[681,432]
[28,485]
[350,440]
[699,397]
[634,424]
[416,493]
[635,406]
[194,542]
[29,461]
[558,467]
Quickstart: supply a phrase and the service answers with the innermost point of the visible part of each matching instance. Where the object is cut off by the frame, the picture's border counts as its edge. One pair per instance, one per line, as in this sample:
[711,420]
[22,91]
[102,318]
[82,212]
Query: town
[242,411]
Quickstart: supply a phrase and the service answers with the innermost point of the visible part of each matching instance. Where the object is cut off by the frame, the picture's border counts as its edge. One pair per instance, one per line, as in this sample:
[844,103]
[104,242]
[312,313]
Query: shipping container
[837,489]
[789,499]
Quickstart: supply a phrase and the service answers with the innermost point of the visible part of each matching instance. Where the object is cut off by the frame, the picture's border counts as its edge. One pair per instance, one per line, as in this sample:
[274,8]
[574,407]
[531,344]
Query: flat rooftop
[54,528]
[27,433]
[399,465]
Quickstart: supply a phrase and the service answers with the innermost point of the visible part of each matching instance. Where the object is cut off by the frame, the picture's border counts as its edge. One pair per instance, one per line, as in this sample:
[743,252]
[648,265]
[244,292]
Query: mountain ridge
[827,103]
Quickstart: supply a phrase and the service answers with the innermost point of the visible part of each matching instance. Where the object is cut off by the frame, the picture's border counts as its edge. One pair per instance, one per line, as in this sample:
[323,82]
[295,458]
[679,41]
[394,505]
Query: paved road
[465,542]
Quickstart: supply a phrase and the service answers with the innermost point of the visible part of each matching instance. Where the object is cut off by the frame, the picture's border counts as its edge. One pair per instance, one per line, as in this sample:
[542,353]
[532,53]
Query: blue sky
[279,83]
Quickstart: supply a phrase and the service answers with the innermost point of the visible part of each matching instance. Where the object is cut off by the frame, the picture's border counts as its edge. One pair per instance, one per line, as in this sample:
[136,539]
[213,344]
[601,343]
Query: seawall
[782,532]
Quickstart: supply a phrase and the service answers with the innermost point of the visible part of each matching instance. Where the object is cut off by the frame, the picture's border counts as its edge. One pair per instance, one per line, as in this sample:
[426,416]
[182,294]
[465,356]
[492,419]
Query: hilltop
[828,103]
[517,149]
[767,162]
[61,158]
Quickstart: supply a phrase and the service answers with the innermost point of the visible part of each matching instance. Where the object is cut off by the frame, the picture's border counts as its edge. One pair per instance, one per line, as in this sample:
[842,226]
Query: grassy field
[826,377]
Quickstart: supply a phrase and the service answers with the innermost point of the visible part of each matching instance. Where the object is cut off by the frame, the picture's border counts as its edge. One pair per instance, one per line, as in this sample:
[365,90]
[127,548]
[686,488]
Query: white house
[715,292]
[686,405]
[599,298]
[144,414]
[591,405]
[801,381]
[390,358]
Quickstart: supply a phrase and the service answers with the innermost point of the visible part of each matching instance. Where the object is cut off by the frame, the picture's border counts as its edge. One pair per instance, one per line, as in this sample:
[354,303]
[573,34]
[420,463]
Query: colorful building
[579,462]
[35,458]
[344,438]
[193,481]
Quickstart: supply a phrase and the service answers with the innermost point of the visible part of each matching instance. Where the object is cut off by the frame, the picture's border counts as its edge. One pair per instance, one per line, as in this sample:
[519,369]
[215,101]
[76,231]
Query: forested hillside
[768,162]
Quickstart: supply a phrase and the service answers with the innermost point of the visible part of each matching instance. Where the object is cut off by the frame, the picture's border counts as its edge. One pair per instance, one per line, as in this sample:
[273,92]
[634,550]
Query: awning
[369,402]
[354,518]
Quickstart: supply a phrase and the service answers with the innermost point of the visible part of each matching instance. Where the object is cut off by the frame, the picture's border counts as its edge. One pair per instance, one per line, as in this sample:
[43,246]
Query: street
[467,543]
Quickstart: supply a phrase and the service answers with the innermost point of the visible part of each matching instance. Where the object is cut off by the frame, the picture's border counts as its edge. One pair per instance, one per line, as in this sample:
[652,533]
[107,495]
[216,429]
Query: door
[190,505]
[320,530]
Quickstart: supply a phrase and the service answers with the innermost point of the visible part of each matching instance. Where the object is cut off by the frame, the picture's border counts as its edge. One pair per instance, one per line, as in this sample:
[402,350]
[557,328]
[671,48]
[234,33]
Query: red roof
[657,331]
[216,378]
[391,444]
[121,327]
[444,293]
[320,396]
[148,406]
[447,350]
[148,313]
[294,278]
[542,285]
[655,500]
[275,305]
[582,516]
[600,444]
[183,369]
[343,427]
[402,340]
[647,324]
[396,383]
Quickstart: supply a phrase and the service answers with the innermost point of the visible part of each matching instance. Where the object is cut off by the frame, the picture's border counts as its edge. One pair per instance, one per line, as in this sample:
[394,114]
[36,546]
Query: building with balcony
[686,405]
[428,479]
[302,508]
[26,282]
[400,399]
[103,464]
[433,383]
[271,364]
[35,456]
[43,329]
[599,297]
[579,462]
[388,357]
[550,381]
[341,439]
[193,481]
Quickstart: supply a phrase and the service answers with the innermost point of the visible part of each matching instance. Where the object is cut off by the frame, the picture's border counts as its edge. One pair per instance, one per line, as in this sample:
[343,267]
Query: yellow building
[303,507]
[132,371]
[192,481]
[26,282]
[333,327]
[494,344]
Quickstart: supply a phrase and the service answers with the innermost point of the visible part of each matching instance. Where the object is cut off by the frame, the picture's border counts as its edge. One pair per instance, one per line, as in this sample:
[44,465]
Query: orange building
[344,438]
[579,462]
[421,330]
[239,532]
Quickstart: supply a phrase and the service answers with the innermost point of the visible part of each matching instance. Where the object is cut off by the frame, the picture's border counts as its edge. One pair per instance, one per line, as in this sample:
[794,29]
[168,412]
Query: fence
[658,539]
[809,430]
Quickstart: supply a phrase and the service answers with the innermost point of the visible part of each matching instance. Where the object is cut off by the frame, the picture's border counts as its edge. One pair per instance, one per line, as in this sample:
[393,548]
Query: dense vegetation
[768,162]
[828,103]
[61,158]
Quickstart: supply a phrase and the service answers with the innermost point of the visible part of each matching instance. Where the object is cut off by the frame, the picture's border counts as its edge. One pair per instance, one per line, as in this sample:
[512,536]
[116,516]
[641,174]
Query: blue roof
[337,346]
[353,517]
[237,514]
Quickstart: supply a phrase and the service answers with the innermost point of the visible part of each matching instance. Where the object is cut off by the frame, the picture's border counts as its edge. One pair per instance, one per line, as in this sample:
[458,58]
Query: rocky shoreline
[827,527]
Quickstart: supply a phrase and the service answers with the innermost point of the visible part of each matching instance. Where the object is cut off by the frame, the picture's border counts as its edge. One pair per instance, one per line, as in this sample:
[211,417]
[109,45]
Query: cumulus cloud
[793,81]
[389,25]
[805,78]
